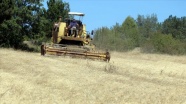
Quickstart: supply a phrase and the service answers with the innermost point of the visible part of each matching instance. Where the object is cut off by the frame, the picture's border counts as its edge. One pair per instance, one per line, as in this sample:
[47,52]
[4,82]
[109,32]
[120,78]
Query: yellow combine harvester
[71,38]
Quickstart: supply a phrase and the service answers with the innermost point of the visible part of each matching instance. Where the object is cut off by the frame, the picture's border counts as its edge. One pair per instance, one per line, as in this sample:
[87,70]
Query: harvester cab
[74,26]
[71,38]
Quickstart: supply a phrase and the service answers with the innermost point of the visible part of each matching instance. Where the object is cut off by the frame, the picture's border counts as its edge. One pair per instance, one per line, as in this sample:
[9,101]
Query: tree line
[145,32]
[28,20]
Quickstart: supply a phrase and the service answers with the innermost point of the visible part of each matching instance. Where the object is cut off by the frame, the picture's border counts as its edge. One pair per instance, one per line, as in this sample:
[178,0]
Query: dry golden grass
[130,78]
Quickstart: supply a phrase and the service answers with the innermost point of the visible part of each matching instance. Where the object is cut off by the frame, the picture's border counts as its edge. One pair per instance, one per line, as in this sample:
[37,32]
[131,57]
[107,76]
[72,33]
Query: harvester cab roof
[76,15]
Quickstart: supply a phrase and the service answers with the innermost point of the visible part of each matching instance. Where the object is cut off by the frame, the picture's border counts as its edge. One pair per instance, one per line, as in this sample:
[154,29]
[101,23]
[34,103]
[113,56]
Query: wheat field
[129,78]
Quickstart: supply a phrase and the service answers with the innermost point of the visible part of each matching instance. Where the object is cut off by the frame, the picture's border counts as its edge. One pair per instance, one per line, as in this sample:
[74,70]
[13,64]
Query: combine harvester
[71,38]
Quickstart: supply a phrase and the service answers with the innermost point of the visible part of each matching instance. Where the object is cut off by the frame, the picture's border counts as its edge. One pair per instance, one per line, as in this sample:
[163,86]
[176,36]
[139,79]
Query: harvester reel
[74,52]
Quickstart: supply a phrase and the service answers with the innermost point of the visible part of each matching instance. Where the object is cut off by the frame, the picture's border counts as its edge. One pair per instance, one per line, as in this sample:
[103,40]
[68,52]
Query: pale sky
[99,13]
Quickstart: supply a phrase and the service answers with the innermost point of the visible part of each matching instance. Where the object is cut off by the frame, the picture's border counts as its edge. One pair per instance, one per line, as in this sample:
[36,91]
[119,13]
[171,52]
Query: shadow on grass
[26,47]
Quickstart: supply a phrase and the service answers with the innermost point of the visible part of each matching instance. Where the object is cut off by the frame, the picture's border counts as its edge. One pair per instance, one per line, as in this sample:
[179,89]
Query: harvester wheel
[107,56]
[42,50]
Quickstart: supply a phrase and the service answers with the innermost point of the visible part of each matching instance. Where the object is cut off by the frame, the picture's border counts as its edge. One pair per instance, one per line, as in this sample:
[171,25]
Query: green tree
[130,29]
[9,29]
[55,9]
[175,26]
[148,25]
[7,9]
[101,37]
[19,19]
[119,37]
[167,44]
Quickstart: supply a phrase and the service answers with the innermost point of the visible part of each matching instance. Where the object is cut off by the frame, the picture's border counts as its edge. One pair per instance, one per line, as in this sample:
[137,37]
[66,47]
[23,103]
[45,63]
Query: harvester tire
[42,50]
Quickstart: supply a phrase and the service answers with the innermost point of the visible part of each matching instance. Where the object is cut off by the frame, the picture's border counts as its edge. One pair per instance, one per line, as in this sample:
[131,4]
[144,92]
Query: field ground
[130,78]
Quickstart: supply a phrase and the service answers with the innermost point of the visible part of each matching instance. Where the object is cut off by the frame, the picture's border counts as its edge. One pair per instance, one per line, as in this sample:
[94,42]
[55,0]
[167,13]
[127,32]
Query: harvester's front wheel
[107,56]
[42,50]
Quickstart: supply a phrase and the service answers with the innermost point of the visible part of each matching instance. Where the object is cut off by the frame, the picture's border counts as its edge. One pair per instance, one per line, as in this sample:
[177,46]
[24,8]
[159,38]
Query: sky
[106,13]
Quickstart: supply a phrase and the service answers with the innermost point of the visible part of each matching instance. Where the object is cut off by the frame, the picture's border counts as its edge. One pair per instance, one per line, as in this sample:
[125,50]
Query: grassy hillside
[130,78]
